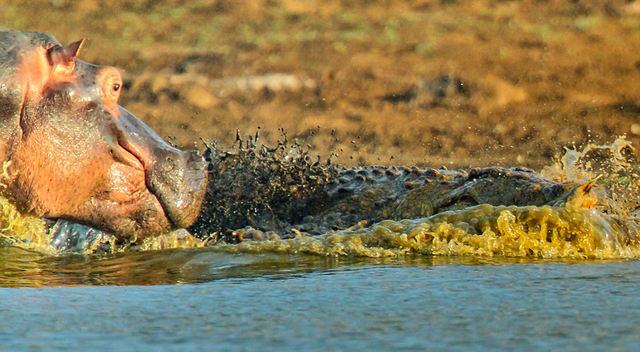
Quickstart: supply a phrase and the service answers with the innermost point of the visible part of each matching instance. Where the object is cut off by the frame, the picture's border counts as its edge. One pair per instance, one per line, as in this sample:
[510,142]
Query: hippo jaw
[152,187]
[175,178]
[76,154]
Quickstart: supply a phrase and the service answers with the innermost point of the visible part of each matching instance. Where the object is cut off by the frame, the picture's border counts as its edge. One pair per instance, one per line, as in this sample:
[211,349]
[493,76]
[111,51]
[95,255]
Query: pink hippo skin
[75,154]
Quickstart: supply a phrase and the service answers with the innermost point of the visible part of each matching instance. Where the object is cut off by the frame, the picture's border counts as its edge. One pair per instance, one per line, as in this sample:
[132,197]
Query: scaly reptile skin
[285,191]
[376,193]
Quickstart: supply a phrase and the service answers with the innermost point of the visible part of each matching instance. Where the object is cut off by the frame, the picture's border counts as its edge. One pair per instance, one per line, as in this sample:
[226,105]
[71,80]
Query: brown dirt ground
[536,75]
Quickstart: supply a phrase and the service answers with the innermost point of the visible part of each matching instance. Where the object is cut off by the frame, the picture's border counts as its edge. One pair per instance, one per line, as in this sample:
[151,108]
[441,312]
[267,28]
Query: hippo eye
[112,87]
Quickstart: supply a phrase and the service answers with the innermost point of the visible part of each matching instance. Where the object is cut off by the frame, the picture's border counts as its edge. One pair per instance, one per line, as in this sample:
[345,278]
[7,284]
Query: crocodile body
[374,193]
[284,191]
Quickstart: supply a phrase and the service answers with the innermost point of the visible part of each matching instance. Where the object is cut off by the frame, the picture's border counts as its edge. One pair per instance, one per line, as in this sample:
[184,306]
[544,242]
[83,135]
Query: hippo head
[74,153]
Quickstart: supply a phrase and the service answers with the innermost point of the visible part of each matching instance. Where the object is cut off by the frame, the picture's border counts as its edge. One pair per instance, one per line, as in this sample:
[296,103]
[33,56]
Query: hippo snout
[179,180]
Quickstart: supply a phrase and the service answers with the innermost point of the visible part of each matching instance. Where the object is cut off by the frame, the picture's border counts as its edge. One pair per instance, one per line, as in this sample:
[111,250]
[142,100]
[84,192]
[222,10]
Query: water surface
[206,300]
[482,278]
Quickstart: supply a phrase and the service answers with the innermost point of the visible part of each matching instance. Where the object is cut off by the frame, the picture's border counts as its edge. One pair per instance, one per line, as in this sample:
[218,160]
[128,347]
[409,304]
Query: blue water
[299,303]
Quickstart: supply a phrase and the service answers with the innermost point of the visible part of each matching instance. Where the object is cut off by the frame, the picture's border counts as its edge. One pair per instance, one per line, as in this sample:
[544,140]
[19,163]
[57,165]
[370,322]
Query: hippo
[71,152]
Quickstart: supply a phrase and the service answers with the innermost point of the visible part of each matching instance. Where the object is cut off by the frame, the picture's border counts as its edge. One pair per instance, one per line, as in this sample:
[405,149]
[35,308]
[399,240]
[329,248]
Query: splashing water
[607,231]
[545,232]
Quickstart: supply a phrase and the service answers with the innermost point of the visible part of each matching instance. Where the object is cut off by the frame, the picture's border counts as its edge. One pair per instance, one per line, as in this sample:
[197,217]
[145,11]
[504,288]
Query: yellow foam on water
[23,230]
[175,239]
[542,232]
[20,229]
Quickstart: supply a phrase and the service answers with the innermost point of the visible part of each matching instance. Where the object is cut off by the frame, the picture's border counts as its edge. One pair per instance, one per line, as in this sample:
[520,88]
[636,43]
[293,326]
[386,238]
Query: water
[481,278]
[290,303]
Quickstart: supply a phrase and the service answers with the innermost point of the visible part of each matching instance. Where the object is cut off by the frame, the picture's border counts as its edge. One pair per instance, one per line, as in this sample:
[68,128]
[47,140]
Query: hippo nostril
[178,179]
[170,163]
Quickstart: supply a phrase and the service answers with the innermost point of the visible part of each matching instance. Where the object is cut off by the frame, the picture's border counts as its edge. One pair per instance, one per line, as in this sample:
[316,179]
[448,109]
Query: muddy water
[312,303]
[486,277]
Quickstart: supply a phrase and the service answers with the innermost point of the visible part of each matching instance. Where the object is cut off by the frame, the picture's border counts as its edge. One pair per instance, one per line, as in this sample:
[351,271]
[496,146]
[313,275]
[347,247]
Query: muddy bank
[393,83]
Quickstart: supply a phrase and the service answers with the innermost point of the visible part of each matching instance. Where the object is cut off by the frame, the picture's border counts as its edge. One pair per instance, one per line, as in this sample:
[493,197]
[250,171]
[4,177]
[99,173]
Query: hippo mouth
[167,186]
[127,157]
[150,187]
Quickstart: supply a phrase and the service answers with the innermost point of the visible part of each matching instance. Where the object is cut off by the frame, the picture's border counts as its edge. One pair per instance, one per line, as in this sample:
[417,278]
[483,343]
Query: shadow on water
[21,268]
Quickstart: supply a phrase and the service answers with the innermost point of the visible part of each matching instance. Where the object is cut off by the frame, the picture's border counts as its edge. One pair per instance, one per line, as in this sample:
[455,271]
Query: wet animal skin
[73,153]
[375,193]
[283,190]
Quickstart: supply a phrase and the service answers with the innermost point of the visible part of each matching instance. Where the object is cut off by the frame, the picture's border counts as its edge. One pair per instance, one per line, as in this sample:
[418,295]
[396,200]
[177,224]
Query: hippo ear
[73,50]
[65,56]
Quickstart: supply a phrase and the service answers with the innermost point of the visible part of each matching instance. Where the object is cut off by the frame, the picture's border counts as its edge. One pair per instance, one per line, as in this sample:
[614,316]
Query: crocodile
[283,190]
